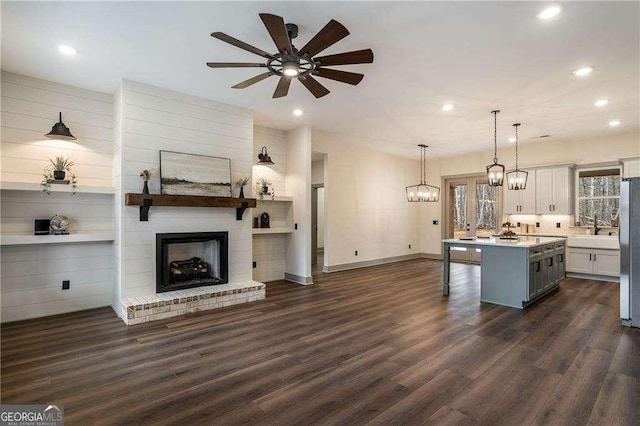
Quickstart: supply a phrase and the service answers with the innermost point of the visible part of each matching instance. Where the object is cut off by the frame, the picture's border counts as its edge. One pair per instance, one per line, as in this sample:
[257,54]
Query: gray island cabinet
[513,272]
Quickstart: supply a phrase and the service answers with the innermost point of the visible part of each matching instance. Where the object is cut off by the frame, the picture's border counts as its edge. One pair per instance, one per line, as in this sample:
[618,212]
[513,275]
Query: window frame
[577,198]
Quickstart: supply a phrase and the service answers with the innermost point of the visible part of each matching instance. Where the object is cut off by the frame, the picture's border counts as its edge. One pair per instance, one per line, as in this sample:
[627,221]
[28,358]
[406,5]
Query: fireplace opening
[194,259]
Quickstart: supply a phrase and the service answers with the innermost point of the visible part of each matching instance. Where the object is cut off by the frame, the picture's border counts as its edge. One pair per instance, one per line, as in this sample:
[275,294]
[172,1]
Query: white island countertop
[520,242]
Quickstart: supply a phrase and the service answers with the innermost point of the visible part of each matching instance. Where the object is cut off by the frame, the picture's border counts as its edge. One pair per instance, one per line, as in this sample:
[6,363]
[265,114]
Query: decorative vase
[59,174]
[145,188]
[241,192]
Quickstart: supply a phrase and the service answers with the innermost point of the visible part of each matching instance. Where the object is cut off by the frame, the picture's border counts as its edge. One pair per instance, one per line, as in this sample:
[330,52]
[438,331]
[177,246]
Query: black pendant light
[60,131]
[495,171]
[517,179]
[263,157]
[423,191]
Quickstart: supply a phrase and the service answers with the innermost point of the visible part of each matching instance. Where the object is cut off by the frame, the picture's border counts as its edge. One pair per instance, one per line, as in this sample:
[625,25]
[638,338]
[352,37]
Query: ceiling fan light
[290,69]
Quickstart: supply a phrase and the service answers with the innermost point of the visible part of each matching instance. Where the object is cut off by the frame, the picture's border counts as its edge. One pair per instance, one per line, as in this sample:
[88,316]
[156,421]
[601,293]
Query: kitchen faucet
[595,225]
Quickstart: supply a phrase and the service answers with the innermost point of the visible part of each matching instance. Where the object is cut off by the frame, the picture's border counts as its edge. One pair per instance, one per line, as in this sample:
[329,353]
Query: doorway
[471,210]
[317,223]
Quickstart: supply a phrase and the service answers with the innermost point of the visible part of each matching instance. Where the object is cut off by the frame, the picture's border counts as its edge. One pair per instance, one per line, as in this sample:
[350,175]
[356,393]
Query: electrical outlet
[409,245]
[356,252]
[255,264]
[557,224]
[537,224]
[435,222]
[517,224]
[295,226]
[66,284]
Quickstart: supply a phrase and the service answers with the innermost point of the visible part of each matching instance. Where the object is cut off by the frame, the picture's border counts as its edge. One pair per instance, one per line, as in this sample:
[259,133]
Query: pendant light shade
[517,179]
[60,131]
[423,191]
[263,157]
[495,171]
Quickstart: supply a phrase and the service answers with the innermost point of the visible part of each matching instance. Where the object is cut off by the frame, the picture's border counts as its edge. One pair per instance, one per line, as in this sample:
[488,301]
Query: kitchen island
[513,272]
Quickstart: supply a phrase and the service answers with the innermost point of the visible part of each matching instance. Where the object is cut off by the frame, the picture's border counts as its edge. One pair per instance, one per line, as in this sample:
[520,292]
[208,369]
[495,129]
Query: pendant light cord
[516,147]
[495,136]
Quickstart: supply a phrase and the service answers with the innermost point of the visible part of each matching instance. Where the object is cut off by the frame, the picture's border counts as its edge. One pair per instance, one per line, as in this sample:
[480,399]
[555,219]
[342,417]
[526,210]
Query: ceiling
[478,56]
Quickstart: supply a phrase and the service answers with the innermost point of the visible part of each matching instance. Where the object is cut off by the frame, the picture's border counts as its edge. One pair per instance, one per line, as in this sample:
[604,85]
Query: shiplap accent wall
[32,275]
[269,250]
[157,119]
[276,143]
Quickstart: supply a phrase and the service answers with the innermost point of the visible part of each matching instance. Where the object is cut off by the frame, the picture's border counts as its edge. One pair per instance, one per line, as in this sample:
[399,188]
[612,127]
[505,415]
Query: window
[598,196]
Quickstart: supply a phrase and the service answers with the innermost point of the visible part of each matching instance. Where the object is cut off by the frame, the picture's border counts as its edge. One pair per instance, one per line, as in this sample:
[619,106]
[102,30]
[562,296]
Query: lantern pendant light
[495,171]
[423,191]
[517,179]
[60,131]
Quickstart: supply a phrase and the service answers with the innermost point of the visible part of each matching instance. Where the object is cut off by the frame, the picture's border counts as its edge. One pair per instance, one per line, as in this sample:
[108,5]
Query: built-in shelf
[146,201]
[278,198]
[32,186]
[261,231]
[28,239]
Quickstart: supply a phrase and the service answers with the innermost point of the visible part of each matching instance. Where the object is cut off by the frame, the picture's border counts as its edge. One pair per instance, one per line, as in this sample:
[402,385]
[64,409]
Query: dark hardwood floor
[379,346]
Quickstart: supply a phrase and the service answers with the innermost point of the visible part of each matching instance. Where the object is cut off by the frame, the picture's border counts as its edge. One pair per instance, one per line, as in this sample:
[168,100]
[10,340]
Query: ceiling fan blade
[241,44]
[333,32]
[347,58]
[312,85]
[342,76]
[252,80]
[278,31]
[234,65]
[282,89]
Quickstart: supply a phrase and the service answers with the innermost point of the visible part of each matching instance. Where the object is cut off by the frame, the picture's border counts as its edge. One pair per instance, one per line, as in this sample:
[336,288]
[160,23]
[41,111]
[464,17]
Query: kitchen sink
[594,241]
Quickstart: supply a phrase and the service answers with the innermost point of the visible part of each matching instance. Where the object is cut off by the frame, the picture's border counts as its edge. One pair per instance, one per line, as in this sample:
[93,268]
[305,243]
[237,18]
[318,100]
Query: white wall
[269,250]
[366,207]
[298,185]
[157,119]
[320,218]
[276,143]
[32,276]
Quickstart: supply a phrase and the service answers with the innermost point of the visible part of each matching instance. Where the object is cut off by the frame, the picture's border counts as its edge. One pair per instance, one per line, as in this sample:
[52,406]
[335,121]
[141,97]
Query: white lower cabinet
[593,261]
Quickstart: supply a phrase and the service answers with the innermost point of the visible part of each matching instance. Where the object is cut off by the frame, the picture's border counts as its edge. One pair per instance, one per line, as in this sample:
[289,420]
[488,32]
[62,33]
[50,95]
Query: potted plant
[60,166]
[145,175]
[56,173]
[241,183]
[264,187]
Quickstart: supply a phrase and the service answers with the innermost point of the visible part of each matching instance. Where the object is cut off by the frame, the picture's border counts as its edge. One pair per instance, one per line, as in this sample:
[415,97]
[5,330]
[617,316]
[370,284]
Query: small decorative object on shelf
[508,234]
[56,173]
[241,183]
[60,224]
[265,220]
[145,175]
[42,226]
[264,187]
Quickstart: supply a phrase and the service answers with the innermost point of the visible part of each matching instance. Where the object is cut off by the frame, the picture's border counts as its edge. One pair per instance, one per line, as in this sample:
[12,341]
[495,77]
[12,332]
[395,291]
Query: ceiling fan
[301,64]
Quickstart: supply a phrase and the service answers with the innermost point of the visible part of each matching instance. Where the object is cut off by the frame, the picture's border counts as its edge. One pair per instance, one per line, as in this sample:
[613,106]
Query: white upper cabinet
[631,167]
[522,201]
[553,190]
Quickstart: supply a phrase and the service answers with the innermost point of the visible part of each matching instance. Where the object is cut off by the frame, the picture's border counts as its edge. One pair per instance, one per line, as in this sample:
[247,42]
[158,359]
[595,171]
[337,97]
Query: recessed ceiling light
[297,112]
[512,139]
[549,12]
[447,107]
[67,50]
[614,123]
[581,72]
[601,102]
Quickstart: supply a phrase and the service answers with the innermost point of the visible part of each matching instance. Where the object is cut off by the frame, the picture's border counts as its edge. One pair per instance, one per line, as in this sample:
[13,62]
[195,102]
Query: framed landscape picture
[190,174]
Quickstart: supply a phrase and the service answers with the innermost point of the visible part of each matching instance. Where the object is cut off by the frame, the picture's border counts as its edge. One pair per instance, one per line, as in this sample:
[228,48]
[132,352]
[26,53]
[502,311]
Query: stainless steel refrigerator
[630,252]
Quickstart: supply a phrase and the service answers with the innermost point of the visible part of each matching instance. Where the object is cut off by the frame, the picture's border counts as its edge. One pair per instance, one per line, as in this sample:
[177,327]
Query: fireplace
[194,259]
